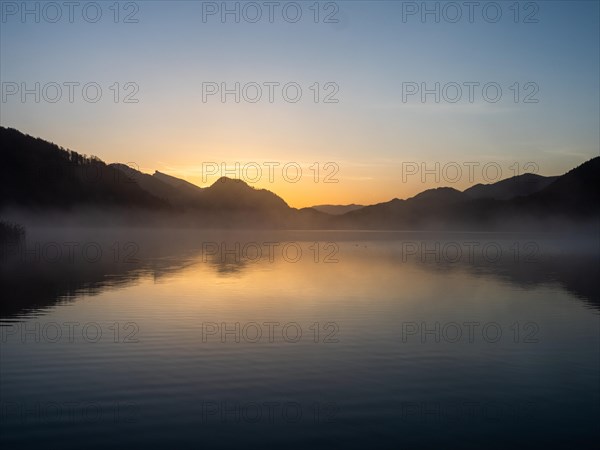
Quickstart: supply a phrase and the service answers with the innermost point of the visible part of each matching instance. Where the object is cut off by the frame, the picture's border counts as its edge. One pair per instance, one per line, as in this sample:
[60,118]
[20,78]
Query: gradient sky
[369,53]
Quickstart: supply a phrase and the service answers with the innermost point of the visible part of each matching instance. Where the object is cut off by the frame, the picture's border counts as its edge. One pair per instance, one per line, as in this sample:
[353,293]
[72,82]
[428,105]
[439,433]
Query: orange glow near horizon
[350,174]
[326,183]
[326,187]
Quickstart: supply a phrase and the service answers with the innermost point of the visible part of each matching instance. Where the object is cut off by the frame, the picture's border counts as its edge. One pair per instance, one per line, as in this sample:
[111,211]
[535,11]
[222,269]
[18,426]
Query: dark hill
[36,173]
[517,186]
[236,194]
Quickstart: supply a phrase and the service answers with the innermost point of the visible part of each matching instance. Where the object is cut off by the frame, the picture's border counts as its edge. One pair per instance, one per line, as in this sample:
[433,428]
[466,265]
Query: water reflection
[363,353]
[53,268]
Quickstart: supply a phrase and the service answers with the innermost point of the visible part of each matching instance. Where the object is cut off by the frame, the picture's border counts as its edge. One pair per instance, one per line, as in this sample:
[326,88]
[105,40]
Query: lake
[222,339]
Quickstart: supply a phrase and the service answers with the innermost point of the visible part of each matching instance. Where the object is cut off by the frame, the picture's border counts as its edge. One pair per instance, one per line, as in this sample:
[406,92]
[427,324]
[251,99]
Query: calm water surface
[187,339]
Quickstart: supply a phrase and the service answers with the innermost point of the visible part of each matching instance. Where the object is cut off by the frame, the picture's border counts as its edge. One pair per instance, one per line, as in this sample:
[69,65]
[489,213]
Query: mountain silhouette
[336,210]
[182,185]
[570,197]
[574,194]
[162,186]
[35,173]
[423,207]
[224,194]
[236,194]
[442,195]
[40,175]
[509,188]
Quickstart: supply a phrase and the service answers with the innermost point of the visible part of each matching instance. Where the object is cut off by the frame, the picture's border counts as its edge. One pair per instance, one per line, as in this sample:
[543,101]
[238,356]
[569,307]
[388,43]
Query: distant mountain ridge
[509,188]
[336,210]
[177,183]
[153,185]
[41,175]
[572,196]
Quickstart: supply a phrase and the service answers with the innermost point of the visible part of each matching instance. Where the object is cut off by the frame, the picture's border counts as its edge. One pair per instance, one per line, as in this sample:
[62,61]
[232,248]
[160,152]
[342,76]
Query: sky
[351,124]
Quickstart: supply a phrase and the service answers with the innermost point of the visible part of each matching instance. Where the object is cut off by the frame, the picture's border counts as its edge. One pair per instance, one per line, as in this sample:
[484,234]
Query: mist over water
[352,339]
